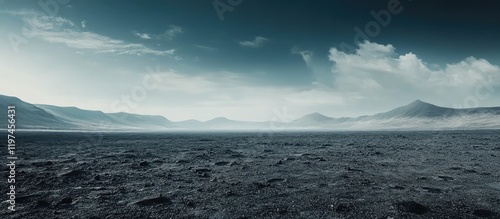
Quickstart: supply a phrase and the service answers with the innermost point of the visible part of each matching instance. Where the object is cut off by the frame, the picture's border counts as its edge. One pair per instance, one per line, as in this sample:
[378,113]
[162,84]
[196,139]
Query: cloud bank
[55,29]
[377,71]
[256,43]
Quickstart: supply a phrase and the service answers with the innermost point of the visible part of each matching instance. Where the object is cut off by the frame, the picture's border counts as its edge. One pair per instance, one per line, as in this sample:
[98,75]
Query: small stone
[412,207]
[483,213]
[42,203]
[154,201]
[190,203]
[342,207]
[281,210]
[67,200]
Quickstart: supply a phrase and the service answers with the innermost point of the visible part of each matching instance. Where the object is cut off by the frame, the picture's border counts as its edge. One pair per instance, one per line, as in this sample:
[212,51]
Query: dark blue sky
[261,44]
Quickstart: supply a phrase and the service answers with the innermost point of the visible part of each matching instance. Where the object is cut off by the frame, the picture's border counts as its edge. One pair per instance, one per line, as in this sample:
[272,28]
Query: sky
[251,60]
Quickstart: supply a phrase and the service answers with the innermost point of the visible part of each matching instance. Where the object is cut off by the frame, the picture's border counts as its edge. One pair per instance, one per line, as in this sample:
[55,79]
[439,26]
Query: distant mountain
[96,120]
[78,117]
[29,116]
[417,115]
[417,109]
[313,120]
[145,121]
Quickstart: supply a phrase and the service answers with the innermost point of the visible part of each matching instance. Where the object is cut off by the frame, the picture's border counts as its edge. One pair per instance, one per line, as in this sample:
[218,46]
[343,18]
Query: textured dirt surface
[451,174]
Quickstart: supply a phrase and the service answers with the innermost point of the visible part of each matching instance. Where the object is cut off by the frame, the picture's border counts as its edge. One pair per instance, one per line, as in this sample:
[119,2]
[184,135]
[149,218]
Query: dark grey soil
[452,174]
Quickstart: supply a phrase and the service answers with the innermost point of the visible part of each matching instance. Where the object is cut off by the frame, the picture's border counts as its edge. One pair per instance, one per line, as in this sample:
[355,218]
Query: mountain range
[417,115]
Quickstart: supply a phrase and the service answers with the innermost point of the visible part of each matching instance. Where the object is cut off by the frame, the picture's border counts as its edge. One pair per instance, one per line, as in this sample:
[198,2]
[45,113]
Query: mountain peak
[219,119]
[315,117]
[419,104]
[315,114]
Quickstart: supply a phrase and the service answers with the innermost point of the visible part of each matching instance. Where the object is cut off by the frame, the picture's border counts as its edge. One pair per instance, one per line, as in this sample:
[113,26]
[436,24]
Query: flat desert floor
[449,174]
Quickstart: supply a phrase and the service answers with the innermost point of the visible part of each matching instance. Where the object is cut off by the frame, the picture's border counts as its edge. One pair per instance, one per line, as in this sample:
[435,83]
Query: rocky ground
[451,174]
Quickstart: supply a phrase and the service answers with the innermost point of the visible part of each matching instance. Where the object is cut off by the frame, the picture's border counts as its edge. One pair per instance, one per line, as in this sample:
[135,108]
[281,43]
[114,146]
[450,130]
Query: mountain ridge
[415,115]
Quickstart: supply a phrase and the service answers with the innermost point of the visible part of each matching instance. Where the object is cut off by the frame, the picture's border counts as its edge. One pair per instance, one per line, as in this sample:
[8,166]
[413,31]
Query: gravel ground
[453,174]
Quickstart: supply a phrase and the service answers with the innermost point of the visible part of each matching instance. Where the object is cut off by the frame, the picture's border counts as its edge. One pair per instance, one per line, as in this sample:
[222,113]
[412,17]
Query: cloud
[376,71]
[256,43]
[202,47]
[84,24]
[55,29]
[144,36]
[306,54]
[171,32]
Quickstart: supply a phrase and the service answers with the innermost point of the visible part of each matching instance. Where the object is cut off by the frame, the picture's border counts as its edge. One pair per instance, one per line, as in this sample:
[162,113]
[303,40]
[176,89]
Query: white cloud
[144,36]
[172,31]
[306,54]
[256,43]
[376,71]
[169,34]
[60,30]
[84,24]
[202,47]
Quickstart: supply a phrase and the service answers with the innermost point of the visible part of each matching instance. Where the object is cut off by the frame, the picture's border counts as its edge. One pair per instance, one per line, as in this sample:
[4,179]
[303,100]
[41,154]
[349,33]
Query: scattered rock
[281,210]
[261,185]
[398,187]
[343,207]
[181,161]
[42,164]
[158,161]
[275,180]
[221,163]
[204,175]
[66,200]
[74,173]
[446,178]
[42,203]
[412,207]
[143,164]
[354,169]
[230,193]
[483,213]
[237,155]
[202,170]
[432,190]
[154,201]
[190,203]
[72,160]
